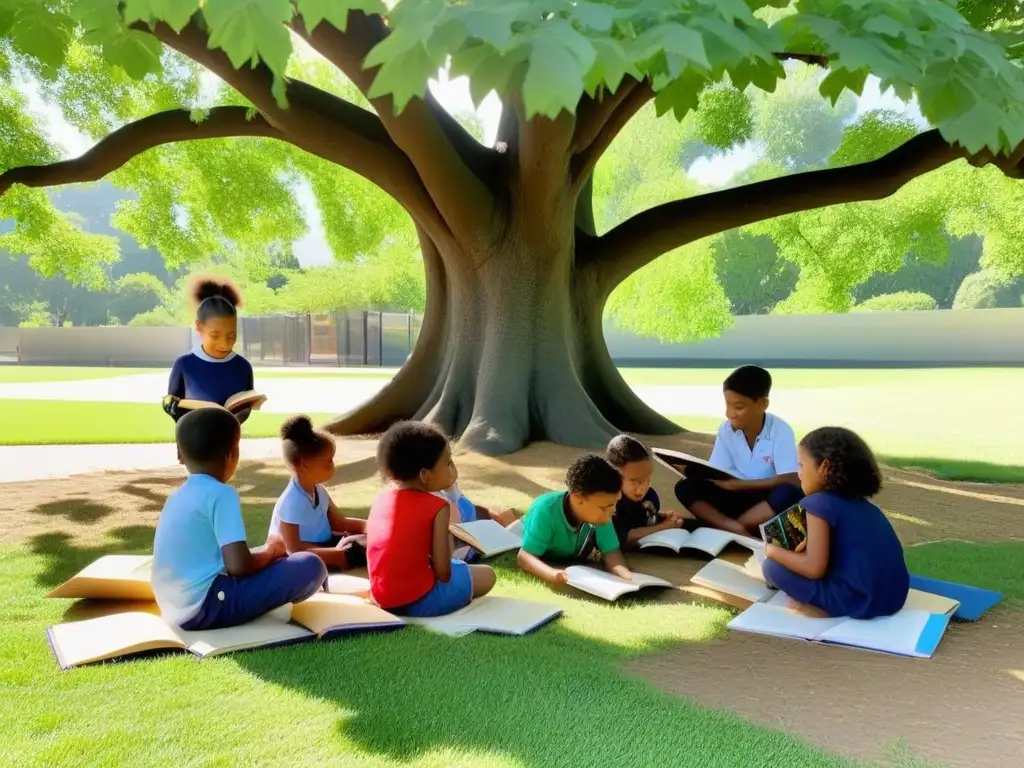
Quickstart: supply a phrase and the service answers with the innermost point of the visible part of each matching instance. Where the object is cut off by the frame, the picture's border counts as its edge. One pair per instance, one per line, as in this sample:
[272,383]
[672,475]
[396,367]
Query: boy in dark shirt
[638,512]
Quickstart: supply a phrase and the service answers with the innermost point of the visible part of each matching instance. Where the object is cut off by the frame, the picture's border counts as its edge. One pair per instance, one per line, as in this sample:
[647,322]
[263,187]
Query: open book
[494,615]
[745,582]
[488,537]
[709,540]
[603,584]
[127,577]
[685,465]
[123,635]
[788,529]
[911,632]
[235,403]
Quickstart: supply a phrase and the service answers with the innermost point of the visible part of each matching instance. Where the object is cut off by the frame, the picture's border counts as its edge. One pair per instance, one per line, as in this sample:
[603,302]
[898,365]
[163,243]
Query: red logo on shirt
[767,459]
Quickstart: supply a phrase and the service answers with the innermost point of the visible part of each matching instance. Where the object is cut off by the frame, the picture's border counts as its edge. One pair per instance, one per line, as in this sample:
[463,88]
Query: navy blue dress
[867,576]
[197,376]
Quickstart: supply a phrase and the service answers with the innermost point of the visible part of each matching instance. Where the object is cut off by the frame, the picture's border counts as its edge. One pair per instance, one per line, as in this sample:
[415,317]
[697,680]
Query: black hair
[206,437]
[592,474]
[301,440]
[214,296]
[852,469]
[751,381]
[623,450]
[408,447]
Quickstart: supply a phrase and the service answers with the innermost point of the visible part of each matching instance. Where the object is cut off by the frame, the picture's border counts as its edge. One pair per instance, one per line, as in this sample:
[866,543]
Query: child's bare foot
[506,517]
[809,611]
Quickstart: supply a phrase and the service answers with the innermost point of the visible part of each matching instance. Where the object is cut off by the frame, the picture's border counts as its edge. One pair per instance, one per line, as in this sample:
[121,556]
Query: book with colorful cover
[788,529]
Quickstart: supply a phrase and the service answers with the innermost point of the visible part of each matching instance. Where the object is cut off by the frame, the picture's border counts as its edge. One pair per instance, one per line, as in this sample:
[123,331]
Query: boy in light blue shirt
[204,574]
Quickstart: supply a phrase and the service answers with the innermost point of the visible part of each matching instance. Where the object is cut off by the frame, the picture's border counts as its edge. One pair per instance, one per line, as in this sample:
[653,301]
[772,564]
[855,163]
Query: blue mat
[974,601]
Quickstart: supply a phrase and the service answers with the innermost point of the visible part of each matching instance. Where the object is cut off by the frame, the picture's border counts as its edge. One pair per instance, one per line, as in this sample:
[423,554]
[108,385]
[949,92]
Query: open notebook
[494,615]
[911,632]
[488,537]
[123,635]
[127,577]
[603,584]
[709,540]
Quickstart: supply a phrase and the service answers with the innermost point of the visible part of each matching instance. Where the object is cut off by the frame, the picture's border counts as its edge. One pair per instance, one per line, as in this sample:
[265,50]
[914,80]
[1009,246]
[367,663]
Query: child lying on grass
[572,524]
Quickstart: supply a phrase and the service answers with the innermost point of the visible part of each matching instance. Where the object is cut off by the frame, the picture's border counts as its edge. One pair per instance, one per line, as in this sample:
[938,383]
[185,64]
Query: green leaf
[840,79]
[943,95]
[487,72]
[101,15]
[175,13]
[672,38]
[42,33]
[251,31]
[597,16]
[404,77]
[137,53]
[407,32]
[610,66]
[335,12]
[559,61]
[884,25]
[493,25]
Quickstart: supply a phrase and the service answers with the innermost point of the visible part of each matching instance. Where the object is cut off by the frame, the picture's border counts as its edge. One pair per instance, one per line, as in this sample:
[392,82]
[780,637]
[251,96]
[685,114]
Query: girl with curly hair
[851,563]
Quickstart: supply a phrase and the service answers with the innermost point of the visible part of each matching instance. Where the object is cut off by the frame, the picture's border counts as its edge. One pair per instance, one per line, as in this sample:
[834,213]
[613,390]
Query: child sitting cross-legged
[572,524]
[851,563]
[638,512]
[305,516]
[408,547]
[204,574]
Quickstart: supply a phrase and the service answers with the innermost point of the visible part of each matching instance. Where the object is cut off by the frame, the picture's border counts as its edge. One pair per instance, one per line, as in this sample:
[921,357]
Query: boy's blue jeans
[233,601]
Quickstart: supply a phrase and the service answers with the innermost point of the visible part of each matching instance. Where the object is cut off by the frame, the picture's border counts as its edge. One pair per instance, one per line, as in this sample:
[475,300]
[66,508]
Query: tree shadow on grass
[63,556]
[554,698]
[995,565]
[75,510]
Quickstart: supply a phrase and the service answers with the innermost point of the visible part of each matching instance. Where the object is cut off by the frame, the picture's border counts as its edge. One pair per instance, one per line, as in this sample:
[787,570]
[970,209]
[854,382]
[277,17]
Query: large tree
[517,274]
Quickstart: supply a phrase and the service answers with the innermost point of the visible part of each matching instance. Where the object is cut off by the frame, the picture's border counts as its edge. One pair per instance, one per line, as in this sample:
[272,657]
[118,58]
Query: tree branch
[583,163]
[462,198]
[644,237]
[135,138]
[319,123]
[811,59]
[592,114]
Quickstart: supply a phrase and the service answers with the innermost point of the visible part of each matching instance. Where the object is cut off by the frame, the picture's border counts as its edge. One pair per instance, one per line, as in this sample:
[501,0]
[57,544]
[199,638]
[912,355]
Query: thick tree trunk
[511,351]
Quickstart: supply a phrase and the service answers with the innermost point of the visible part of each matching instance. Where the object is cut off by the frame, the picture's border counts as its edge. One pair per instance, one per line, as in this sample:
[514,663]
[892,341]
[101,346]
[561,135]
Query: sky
[453,94]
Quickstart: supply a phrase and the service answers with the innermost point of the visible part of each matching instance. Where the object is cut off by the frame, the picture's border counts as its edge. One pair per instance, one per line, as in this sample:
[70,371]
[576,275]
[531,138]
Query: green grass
[997,565]
[58,422]
[832,378]
[20,374]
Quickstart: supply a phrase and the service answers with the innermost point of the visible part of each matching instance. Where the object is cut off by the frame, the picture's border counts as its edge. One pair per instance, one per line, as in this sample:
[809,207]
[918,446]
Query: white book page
[271,628]
[765,619]
[892,634]
[600,583]
[713,541]
[672,538]
[733,579]
[346,584]
[926,601]
[495,614]
[82,642]
[488,536]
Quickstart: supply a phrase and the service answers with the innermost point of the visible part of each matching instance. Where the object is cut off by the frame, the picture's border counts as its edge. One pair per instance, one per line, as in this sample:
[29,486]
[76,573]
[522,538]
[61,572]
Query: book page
[112,577]
[671,538]
[271,629]
[646,580]
[713,541]
[251,397]
[324,612]
[493,614]
[488,536]
[195,405]
[733,579]
[765,619]
[926,601]
[84,642]
[599,583]
[347,584]
[896,634]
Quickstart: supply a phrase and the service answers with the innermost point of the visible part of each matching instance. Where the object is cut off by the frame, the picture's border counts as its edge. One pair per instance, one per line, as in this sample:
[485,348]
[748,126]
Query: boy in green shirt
[568,525]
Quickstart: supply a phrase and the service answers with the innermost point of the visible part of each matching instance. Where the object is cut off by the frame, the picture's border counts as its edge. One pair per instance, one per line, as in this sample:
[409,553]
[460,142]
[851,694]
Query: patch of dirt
[963,707]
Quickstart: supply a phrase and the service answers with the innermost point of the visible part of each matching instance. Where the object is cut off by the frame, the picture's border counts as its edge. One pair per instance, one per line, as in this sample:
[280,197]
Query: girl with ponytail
[212,372]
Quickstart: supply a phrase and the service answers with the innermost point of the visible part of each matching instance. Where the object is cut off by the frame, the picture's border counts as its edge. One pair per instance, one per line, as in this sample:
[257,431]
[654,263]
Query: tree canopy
[517,272]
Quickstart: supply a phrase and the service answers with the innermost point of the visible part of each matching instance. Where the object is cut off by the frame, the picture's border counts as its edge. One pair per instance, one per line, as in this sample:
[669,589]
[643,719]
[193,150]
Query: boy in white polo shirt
[755,446]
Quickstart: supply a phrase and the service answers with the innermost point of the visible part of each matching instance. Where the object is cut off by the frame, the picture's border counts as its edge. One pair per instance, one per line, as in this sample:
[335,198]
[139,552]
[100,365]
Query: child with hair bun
[212,371]
[305,516]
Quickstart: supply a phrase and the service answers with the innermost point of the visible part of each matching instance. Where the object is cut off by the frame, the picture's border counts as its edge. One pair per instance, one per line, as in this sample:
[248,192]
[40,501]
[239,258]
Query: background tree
[517,274]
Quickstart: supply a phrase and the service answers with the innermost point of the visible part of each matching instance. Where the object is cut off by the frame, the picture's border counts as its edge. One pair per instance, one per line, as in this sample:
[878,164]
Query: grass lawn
[20,374]
[57,422]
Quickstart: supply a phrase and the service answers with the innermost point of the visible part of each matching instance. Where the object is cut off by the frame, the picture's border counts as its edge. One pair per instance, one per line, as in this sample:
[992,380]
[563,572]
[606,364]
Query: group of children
[205,575]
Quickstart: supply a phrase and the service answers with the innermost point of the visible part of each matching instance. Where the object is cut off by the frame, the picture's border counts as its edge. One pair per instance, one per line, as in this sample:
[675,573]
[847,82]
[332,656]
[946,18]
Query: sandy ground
[965,707]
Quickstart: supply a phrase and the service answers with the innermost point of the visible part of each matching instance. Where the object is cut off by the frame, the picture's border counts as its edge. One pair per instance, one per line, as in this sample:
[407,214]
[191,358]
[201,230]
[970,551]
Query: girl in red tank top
[408,549]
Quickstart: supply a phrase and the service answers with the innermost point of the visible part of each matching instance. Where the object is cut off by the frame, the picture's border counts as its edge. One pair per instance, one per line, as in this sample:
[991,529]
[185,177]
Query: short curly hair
[409,447]
[852,469]
[592,474]
[623,450]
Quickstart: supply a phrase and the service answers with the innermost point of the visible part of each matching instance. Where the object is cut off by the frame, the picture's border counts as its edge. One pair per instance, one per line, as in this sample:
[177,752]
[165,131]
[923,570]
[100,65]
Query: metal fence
[343,339]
